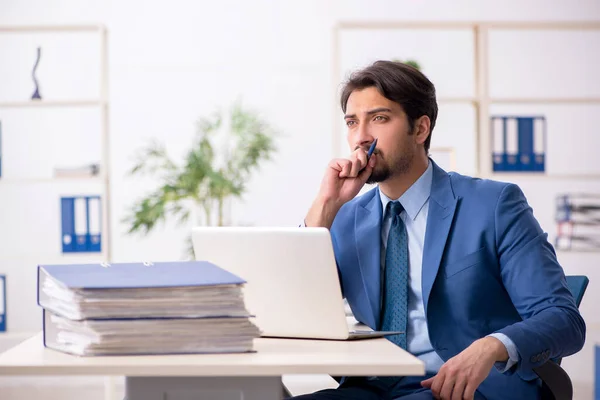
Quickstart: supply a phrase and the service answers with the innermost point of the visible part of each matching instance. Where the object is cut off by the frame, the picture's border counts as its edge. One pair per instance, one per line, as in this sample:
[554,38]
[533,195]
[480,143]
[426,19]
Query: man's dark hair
[400,83]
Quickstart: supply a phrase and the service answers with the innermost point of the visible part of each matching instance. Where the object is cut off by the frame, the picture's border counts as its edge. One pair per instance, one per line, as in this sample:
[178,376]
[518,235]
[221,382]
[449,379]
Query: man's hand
[342,181]
[461,375]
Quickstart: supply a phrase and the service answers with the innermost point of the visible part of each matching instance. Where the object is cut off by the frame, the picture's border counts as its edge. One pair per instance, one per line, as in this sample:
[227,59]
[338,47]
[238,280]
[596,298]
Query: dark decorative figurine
[36,94]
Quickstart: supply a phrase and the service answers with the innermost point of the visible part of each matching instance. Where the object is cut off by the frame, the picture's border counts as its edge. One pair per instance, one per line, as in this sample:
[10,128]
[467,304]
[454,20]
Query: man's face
[370,116]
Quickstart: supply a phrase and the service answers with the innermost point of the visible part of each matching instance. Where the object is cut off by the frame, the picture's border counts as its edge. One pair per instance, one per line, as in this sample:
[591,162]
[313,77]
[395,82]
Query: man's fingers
[344,167]
[459,388]
[359,161]
[469,393]
[436,386]
[446,390]
[427,382]
[366,173]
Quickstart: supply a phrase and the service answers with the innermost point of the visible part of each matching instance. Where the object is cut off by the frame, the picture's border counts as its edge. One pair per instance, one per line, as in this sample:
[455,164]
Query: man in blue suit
[459,264]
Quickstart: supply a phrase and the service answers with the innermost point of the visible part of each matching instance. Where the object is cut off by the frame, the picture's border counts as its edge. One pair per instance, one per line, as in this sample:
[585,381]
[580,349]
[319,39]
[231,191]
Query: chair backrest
[577,285]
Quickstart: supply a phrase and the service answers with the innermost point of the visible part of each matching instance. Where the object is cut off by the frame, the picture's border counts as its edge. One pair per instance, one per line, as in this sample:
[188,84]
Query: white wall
[170,63]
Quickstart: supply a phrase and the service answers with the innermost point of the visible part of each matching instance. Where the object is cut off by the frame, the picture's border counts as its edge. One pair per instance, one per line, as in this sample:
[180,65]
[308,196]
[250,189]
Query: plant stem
[220,211]
[207,214]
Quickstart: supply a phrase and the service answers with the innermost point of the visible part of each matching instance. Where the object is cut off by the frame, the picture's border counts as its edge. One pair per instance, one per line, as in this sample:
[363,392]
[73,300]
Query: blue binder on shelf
[0,149]
[519,144]
[2,303]
[597,373]
[81,224]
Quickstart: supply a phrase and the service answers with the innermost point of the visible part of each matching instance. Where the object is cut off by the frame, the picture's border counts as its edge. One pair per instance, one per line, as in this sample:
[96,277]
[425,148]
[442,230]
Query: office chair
[556,384]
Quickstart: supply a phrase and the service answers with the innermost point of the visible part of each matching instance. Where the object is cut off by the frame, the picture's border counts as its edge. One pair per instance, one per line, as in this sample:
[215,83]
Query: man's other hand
[461,375]
[343,180]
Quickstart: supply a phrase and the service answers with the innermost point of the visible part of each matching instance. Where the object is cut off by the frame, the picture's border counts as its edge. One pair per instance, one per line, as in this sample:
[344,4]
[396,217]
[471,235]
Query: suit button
[533,359]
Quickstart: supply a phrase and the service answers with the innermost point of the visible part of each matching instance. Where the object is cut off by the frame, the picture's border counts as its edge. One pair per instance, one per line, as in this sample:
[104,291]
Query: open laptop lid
[292,279]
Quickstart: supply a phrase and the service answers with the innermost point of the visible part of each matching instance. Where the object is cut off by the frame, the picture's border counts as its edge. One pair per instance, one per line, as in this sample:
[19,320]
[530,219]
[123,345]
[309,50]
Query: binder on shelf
[539,144]
[0,149]
[94,223]
[2,303]
[519,144]
[511,150]
[597,370]
[83,171]
[578,222]
[68,224]
[81,224]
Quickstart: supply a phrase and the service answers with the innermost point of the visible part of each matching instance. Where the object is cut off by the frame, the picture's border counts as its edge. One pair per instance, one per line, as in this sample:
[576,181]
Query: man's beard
[383,171]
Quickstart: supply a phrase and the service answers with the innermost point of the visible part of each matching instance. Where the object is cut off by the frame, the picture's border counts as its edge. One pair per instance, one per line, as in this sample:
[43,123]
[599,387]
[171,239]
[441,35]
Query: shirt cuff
[511,349]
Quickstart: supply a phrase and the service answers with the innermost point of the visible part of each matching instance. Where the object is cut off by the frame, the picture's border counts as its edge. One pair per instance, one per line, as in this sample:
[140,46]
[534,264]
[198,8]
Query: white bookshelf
[54,103]
[100,102]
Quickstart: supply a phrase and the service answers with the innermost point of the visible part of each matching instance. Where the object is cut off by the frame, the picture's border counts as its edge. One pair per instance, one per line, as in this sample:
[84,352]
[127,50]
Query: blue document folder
[81,224]
[193,289]
[0,149]
[139,275]
[518,143]
[2,303]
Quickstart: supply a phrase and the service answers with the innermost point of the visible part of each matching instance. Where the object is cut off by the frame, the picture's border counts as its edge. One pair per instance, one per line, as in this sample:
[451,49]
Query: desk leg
[193,388]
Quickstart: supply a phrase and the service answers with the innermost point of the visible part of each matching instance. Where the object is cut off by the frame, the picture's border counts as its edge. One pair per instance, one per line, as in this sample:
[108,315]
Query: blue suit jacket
[487,267]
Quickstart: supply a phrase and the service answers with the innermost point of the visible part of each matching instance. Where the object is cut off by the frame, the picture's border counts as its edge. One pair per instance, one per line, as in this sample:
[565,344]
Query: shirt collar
[415,197]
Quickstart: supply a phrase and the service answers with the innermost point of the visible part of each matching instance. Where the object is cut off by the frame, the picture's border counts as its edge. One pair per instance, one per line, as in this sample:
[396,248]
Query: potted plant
[227,149]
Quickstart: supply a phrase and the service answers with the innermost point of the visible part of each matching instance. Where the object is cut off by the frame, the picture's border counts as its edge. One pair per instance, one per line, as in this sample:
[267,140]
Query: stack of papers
[142,308]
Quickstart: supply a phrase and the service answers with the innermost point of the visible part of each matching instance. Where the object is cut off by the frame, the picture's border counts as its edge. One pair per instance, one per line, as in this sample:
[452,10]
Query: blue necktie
[395,303]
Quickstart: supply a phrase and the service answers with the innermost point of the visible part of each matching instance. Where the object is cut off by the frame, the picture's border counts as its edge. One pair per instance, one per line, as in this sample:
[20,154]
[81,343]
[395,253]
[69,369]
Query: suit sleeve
[552,326]
[303,225]
[334,243]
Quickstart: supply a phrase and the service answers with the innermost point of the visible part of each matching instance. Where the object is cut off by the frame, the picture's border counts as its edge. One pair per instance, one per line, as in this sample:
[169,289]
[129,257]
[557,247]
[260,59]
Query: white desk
[249,376]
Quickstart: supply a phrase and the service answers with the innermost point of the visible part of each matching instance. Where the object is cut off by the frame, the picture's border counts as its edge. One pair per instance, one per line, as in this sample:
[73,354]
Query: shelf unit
[101,102]
[482,100]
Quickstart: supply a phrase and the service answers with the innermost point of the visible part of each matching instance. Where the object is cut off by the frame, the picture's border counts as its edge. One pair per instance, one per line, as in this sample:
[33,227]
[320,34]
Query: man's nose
[363,138]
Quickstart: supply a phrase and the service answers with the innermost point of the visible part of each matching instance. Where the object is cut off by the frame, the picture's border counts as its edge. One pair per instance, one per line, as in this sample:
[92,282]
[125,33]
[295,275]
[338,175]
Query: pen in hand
[369,153]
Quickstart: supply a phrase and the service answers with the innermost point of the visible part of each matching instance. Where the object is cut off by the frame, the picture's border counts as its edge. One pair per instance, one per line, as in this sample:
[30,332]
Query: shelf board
[457,99]
[25,181]
[50,28]
[545,100]
[17,335]
[538,175]
[53,103]
[576,251]
[537,25]
[52,257]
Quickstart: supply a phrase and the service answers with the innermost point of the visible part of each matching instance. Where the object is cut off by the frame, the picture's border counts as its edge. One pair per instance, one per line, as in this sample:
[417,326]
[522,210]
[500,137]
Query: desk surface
[274,357]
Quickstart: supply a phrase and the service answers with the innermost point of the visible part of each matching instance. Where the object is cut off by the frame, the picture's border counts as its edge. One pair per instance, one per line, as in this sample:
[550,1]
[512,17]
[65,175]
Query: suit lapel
[367,225]
[442,205]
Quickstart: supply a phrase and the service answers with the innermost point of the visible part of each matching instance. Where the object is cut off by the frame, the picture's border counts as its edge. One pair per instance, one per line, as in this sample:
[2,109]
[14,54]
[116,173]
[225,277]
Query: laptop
[292,289]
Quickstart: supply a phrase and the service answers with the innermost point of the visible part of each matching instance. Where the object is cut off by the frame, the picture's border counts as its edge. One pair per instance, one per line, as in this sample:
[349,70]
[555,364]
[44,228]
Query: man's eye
[380,118]
[348,123]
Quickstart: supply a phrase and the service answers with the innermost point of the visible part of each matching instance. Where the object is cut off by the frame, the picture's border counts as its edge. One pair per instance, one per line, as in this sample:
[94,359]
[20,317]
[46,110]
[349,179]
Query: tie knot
[395,208]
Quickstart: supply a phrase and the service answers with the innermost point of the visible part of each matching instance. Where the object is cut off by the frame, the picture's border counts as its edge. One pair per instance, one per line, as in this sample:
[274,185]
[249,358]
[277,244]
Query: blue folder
[597,378]
[139,275]
[522,156]
[2,303]
[81,224]
[0,149]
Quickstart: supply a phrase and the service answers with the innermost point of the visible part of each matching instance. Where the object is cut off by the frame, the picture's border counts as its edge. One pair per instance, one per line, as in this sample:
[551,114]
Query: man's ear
[422,125]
